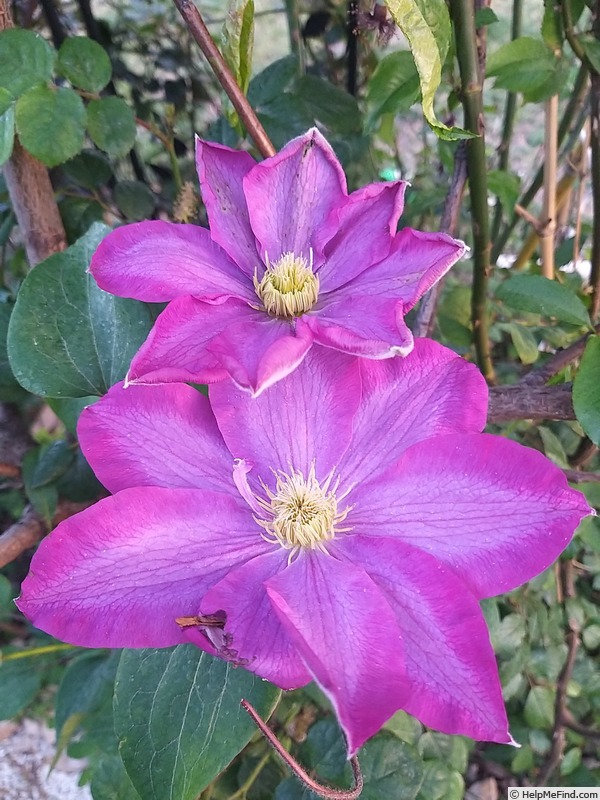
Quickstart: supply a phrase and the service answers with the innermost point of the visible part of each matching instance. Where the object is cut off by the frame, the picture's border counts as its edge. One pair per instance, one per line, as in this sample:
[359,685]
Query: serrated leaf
[111,125]
[393,87]
[51,123]
[67,337]
[586,390]
[237,40]
[178,717]
[426,25]
[84,63]
[538,295]
[26,60]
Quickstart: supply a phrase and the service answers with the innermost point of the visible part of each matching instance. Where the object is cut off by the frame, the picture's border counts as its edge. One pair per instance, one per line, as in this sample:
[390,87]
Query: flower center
[302,512]
[289,287]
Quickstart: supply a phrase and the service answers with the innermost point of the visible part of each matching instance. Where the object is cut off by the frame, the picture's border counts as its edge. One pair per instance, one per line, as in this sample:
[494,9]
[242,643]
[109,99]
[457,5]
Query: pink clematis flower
[291,259]
[342,527]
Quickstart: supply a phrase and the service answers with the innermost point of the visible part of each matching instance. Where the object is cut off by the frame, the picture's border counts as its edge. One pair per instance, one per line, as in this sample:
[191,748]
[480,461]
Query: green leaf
[538,295]
[485,16]
[426,25]
[525,343]
[393,87]
[6,100]
[328,104]
[391,769]
[68,409]
[89,169]
[237,40]
[110,781]
[7,379]
[20,681]
[591,637]
[53,461]
[505,185]
[570,761]
[539,708]
[451,750]
[586,390]
[84,63]
[26,60]
[404,726]
[7,134]
[111,125]
[51,123]
[134,199]
[43,498]
[86,683]
[67,337]
[591,47]
[523,65]
[441,783]
[272,81]
[179,719]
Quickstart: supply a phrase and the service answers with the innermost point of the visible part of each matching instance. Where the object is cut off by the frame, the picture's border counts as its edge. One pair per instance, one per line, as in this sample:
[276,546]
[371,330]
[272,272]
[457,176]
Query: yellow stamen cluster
[302,512]
[289,287]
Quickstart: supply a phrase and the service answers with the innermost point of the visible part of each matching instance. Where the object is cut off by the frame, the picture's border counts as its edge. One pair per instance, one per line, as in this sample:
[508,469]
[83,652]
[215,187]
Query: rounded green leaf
[539,708]
[6,100]
[178,716]
[20,681]
[393,87]
[111,125]
[89,169]
[84,63]
[586,390]
[67,337]
[134,199]
[26,60]
[51,123]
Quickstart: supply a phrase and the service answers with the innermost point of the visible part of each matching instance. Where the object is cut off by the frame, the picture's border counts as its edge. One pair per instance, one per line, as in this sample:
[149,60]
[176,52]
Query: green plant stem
[219,66]
[36,651]
[293,23]
[508,124]
[247,785]
[595,170]
[463,18]
[572,108]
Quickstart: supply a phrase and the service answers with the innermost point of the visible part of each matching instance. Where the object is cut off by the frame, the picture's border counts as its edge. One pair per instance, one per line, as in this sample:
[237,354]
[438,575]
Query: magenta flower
[290,259]
[342,527]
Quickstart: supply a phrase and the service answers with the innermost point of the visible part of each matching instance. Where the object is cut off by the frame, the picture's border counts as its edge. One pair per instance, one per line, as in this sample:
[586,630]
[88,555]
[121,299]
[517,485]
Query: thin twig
[560,360]
[323,791]
[219,66]
[595,172]
[428,307]
[575,476]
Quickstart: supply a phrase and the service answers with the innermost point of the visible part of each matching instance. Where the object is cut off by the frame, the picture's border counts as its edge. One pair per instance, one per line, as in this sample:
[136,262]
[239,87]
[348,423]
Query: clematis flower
[342,527]
[291,259]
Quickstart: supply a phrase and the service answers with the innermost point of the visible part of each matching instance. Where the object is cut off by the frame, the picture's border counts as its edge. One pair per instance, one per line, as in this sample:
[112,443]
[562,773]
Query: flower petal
[291,195]
[430,392]
[450,665]
[366,225]
[305,418]
[372,327]
[258,350]
[119,573]
[333,611]
[416,261]
[155,436]
[257,634]
[221,171]
[157,261]
[176,348]
[494,511]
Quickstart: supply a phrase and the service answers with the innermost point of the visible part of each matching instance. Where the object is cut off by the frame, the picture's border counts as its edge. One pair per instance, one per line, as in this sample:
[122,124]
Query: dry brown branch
[30,529]
[524,401]
[560,360]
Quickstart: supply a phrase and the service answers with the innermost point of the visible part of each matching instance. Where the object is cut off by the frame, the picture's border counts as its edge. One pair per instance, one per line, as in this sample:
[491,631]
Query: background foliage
[109,99]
